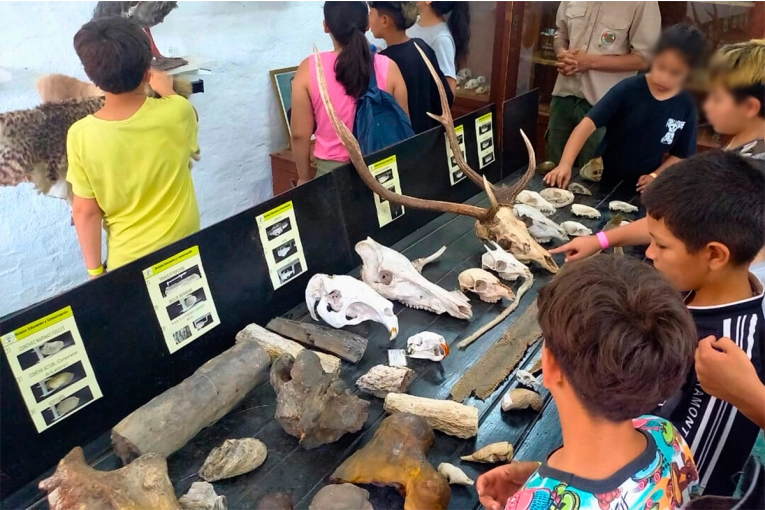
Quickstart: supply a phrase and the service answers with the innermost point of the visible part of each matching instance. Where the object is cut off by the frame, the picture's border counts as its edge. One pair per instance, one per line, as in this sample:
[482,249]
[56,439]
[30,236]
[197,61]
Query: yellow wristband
[97,271]
[654,175]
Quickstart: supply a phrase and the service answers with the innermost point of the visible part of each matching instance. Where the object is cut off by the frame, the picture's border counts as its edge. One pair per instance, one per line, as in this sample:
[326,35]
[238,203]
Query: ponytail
[459,26]
[347,22]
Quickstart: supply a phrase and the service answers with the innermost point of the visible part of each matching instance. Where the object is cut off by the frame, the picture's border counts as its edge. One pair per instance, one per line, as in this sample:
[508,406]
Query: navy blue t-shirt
[640,129]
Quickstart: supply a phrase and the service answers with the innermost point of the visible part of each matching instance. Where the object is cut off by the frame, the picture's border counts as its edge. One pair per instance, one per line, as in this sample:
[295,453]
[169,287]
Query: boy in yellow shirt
[129,162]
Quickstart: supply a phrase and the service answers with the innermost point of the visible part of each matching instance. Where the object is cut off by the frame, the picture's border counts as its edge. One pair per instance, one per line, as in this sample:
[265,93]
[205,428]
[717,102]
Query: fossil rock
[447,416]
[312,405]
[575,229]
[557,197]
[234,457]
[275,501]
[585,211]
[202,496]
[427,345]
[397,456]
[382,379]
[578,189]
[343,344]
[618,205]
[276,345]
[344,496]
[454,475]
[495,452]
[486,285]
[141,484]
[535,200]
[593,170]
[520,398]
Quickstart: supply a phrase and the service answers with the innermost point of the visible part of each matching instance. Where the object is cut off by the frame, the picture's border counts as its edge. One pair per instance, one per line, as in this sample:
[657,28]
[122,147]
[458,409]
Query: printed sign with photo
[484,134]
[386,173]
[455,174]
[282,246]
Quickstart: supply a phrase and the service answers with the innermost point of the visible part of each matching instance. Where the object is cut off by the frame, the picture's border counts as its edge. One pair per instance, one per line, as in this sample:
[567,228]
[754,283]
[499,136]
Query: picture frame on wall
[282,81]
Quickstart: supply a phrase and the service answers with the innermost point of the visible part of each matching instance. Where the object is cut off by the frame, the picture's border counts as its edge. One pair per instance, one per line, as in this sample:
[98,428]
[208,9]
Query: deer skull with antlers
[497,224]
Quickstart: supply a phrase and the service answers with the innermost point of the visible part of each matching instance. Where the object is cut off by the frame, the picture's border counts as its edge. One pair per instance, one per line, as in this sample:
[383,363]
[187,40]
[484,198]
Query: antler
[352,146]
[504,195]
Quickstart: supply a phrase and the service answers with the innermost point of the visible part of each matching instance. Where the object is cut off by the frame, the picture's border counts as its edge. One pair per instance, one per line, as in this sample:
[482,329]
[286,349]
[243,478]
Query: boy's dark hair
[712,196]
[620,333]
[115,53]
[740,68]
[685,39]
[403,14]
[347,22]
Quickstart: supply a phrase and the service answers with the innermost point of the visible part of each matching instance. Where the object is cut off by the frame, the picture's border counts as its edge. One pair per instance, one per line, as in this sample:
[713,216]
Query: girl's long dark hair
[347,22]
[459,26]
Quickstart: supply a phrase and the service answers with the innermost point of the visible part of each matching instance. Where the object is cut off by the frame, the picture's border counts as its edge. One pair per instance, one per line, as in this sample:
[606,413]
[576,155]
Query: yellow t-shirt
[138,170]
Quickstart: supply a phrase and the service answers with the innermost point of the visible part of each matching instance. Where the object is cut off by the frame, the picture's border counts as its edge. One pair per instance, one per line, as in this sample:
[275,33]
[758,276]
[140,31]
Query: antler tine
[508,194]
[352,146]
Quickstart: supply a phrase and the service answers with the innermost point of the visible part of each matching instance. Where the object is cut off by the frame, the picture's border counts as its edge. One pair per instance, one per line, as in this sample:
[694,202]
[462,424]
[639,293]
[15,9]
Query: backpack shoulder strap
[372,74]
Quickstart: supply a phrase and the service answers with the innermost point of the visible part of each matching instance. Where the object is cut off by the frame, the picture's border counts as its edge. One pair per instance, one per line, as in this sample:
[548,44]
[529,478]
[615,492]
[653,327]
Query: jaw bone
[395,277]
[345,301]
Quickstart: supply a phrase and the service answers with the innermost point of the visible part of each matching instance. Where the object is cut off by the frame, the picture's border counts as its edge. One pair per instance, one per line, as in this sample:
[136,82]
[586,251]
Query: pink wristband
[604,244]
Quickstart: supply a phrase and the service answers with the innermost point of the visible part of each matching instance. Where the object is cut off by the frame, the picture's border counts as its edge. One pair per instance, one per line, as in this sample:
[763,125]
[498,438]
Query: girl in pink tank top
[346,71]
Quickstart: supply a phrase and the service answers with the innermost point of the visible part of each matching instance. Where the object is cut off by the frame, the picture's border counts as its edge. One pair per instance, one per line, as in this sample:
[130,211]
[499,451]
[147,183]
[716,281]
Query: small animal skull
[465,73]
[482,89]
[344,301]
[504,264]
[585,211]
[557,197]
[593,170]
[535,200]
[486,285]
[471,84]
[481,80]
[575,229]
[528,380]
[619,206]
[578,189]
[427,345]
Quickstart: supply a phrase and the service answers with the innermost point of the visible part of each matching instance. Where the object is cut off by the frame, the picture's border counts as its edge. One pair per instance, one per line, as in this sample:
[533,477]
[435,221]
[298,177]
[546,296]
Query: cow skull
[345,301]
[395,277]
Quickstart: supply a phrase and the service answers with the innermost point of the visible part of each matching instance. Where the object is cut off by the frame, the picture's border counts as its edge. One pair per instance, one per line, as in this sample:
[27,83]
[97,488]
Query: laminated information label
[484,134]
[280,237]
[386,173]
[51,367]
[455,174]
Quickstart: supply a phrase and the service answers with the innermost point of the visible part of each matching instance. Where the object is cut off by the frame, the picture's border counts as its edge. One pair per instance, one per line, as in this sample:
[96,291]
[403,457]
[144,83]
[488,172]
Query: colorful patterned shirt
[661,478]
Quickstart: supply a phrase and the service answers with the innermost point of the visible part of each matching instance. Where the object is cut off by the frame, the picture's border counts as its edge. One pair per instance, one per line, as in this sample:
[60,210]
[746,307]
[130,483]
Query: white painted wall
[239,118]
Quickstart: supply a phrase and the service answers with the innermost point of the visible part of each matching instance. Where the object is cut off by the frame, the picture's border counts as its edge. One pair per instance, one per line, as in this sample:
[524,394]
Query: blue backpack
[380,122]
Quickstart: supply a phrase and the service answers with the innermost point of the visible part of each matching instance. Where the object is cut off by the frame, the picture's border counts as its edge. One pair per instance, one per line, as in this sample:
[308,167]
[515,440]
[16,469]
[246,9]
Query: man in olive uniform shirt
[598,44]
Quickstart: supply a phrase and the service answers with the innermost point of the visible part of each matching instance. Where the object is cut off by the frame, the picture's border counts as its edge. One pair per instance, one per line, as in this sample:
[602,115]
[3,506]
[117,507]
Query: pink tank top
[328,145]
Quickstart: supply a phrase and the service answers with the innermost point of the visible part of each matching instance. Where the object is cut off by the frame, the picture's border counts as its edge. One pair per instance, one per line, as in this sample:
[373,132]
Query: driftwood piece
[343,496]
[170,420]
[233,458]
[397,456]
[382,379]
[202,496]
[345,345]
[313,405]
[275,501]
[277,345]
[500,360]
[141,484]
[449,417]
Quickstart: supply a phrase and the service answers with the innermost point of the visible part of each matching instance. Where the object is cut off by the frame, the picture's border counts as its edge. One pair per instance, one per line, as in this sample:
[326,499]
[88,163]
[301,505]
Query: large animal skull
[486,285]
[394,277]
[504,264]
[345,301]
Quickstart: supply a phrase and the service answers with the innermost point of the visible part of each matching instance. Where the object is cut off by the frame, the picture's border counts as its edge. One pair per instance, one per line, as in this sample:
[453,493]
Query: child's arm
[560,176]
[497,485]
[725,371]
[635,233]
[162,83]
[87,220]
[647,179]
[301,122]
[397,86]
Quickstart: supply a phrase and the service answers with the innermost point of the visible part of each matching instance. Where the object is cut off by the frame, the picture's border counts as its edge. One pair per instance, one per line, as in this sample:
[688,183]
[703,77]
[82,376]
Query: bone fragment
[454,475]
[343,344]
[521,398]
[171,419]
[344,496]
[420,263]
[277,345]
[495,452]
[449,417]
[141,484]
[234,457]
[202,496]
[382,379]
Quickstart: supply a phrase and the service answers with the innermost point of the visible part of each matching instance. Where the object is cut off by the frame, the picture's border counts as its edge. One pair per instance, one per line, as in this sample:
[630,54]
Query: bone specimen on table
[557,197]
[484,284]
[233,458]
[397,456]
[578,189]
[592,170]
[527,379]
[449,417]
[575,229]
[454,475]
[521,398]
[535,200]
[277,345]
[275,501]
[313,405]
[496,223]
[427,345]
[501,359]
[618,205]
[585,211]
[202,496]
[495,452]
[382,379]
[504,264]
[343,300]
[393,276]
[541,228]
[342,496]
[170,420]
[420,263]
[141,484]
[343,344]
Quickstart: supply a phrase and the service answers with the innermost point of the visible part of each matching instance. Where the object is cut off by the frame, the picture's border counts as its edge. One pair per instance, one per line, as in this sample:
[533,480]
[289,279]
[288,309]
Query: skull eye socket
[501,265]
[386,277]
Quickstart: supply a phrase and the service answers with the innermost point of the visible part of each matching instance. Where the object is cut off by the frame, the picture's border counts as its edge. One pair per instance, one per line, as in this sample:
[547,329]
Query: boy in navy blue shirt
[645,117]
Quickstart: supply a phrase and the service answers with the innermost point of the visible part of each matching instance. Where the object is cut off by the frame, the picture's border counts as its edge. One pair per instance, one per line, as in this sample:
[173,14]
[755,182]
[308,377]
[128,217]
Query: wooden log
[447,416]
[345,345]
[171,419]
[277,345]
